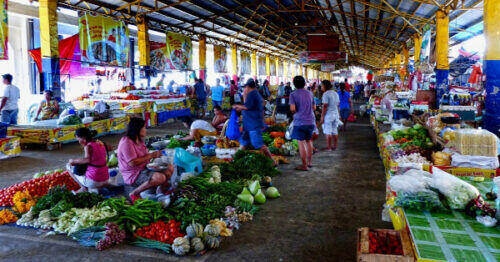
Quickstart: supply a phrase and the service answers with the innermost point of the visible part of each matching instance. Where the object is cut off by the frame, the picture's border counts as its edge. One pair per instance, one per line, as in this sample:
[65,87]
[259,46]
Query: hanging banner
[245,63]
[328,67]
[426,44]
[4,30]
[273,67]
[178,52]
[158,56]
[220,58]
[262,65]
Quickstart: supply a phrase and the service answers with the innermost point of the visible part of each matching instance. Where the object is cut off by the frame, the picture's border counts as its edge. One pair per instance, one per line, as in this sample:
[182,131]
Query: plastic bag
[233,128]
[457,192]
[412,181]
[482,162]
[441,159]
[425,200]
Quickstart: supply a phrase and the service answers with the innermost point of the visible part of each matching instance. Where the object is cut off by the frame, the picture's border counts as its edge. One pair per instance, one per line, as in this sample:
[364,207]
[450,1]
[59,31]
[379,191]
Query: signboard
[306,57]
[104,40]
[220,58]
[328,67]
[4,30]
[245,63]
[323,43]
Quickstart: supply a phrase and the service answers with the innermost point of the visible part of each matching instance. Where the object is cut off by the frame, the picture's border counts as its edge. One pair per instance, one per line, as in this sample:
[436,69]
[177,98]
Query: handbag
[233,128]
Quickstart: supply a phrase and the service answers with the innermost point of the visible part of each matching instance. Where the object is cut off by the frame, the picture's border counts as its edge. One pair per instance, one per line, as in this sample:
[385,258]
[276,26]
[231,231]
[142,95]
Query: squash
[212,230]
[197,245]
[211,241]
[194,230]
[181,246]
[278,142]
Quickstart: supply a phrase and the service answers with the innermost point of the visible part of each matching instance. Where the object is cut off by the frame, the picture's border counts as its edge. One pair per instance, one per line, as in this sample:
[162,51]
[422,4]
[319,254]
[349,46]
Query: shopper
[161,83]
[346,85]
[330,115]
[288,89]
[133,156]
[302,105]
[91,171]
[281,90]
[345,106]
[49,107]
[253,119]
[233,91]
[264,90]
[217,93]
[8,104]
[201,96]
[200,128]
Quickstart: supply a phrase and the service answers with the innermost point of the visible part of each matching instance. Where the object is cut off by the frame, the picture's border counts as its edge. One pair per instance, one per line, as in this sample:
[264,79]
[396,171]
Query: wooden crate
[363,247]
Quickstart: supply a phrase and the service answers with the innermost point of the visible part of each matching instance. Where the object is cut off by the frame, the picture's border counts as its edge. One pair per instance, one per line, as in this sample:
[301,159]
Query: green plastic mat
[452,237]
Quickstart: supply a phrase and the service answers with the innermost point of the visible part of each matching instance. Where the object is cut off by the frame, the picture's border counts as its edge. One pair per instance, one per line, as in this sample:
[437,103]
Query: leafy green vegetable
[178,143]
[248,165]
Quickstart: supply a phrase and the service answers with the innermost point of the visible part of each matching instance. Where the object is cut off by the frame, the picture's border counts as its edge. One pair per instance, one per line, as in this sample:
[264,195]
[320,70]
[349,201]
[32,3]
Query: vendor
[101,111]
[48,109]
[90,172]
[133,156]
[200,128]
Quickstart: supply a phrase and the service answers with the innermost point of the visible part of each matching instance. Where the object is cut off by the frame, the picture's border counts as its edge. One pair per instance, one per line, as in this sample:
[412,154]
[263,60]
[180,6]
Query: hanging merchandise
[426,44]
[245,62]
[220,59]
[104,40]
[4,30]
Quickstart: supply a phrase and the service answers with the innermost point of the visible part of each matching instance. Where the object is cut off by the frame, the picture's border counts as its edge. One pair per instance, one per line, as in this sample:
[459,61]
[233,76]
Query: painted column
[202,56]
[492,65]
[305,72]
[234,59]
[285,70]
[268,67]
[417,40]
[442,65]
[294,70]
[277,66]
[50,47]
[144,48]
[406,60]
[253,60]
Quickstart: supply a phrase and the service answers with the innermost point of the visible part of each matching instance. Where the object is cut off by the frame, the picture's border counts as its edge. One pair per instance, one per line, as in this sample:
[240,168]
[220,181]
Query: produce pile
[409,146]
[385,243]
[204,209]
[38,187]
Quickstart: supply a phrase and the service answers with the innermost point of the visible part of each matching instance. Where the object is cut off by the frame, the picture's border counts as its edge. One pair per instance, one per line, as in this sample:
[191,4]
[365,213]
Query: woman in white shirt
[330,115]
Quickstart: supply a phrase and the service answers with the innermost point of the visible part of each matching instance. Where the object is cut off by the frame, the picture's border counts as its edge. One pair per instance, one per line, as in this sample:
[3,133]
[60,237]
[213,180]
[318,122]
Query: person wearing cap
[8,103]
[253,119]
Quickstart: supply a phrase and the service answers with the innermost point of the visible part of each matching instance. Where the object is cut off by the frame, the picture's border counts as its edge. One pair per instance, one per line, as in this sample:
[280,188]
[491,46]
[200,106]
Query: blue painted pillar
[442,49]
[50,47]
[491,118]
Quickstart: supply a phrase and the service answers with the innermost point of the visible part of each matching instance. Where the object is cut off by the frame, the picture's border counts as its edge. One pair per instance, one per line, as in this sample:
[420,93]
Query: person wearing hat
[253,119]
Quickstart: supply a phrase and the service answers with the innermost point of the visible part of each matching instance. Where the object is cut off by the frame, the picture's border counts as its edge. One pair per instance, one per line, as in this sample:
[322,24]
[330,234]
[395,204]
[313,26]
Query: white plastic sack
[482,162]
[413,181]
[457,192]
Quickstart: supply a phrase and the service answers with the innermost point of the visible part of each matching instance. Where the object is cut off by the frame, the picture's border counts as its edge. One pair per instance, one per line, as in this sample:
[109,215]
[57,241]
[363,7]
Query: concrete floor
[314,220]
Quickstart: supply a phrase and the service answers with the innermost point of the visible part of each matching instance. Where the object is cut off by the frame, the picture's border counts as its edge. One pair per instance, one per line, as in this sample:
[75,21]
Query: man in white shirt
[8,104]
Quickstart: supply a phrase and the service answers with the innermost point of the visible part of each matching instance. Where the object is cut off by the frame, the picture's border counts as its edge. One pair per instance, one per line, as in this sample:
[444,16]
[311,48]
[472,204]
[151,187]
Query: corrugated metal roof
[370,30]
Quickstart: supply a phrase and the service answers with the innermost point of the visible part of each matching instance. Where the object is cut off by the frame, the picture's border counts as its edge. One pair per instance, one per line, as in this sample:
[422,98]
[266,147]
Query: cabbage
[260,198]
[254,187]
[272,192]
[247,198]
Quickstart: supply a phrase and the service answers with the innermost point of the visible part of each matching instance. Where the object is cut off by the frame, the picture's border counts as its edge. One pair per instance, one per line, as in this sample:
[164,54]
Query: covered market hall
[250,130]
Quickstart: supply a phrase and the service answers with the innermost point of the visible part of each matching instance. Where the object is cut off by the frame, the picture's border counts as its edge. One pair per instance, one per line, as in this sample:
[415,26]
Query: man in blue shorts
[302,105]
[201,96]
[253,119]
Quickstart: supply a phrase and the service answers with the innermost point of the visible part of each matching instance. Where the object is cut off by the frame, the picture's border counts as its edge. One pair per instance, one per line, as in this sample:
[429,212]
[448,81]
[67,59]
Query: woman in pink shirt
[133,156]
[91,172]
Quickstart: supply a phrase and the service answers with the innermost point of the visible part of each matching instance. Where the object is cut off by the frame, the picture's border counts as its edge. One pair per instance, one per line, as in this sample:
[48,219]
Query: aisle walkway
[315,219]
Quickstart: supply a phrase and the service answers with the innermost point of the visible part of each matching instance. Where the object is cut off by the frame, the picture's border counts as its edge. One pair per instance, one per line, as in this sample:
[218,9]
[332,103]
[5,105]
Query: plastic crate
[3,130]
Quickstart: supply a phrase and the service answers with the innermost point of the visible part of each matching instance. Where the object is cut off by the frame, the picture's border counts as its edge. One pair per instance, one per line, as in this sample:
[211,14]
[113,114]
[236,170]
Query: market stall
[51,135]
